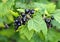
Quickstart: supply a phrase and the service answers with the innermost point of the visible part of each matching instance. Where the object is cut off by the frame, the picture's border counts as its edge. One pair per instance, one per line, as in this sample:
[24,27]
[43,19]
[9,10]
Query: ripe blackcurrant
[32,11]
[52,17]
[16,21]
[47,20]
[24,19]
[23,14]
[19,24]
[27,11]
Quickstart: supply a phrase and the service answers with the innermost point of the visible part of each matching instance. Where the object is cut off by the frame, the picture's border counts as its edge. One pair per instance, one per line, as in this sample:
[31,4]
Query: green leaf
[57,15]
[3,39]
[33,26]
[50,7]
[5,6]
[22,40]
[58,4]
[53,35]
[39,5]
[20,5]
[37,24]
[20,10]
[7,32]
[13,13]
[26,32]
[1,24]
[36,38]
[15,36]
[10,18]
[55,23]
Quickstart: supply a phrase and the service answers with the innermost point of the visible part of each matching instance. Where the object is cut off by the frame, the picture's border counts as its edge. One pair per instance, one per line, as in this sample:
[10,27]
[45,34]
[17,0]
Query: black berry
[32,11]
[52,17]
[23,14]
[19,24]
[47,20]
[27,11]
[16,21]
[24,19]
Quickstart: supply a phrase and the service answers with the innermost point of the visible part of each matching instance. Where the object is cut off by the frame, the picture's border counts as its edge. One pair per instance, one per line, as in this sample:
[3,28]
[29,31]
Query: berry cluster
[25,16]
[48,21]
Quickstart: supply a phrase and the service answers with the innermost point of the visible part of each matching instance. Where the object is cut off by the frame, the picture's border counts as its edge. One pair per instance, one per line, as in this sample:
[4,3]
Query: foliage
[36,28]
